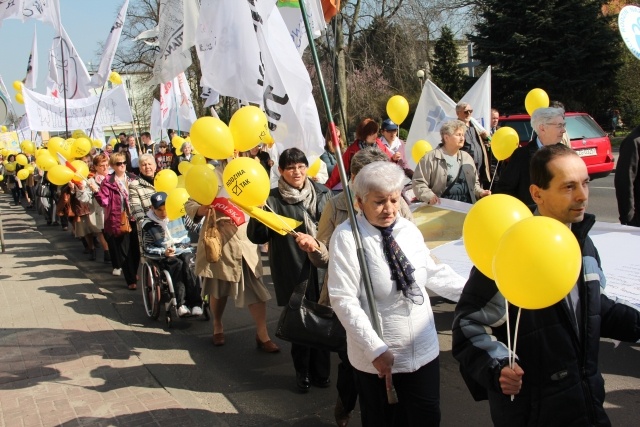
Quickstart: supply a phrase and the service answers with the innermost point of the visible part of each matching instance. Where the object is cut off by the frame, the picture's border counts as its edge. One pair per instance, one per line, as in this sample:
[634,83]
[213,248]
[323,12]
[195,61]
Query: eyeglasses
[294,168]
[468,111]
[120,163]
[561,125]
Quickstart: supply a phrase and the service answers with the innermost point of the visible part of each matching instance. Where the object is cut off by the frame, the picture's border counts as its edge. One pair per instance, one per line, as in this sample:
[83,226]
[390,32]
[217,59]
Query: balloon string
[287,227]
[506,304]
[494,174]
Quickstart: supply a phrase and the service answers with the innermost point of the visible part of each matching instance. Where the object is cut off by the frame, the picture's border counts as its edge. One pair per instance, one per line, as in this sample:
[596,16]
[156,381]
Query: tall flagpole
[64,85]
[375,322]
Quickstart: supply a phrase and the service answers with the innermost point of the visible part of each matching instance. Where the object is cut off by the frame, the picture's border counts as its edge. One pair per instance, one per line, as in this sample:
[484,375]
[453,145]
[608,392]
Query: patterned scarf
[307,195]
[401,268]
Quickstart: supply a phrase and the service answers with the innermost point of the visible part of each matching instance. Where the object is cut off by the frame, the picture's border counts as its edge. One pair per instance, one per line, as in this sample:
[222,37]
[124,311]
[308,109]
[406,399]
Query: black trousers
[127,252]
[308,360]
[346,384]
[184,280]
[418,398]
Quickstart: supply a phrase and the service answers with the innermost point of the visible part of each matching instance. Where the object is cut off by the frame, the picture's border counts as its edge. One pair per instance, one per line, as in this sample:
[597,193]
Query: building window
[130,102]
[128,83]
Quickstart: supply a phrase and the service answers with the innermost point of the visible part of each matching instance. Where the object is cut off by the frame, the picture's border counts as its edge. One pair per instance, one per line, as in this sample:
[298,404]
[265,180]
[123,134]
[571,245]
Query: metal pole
[64,95]
[343,178]
[97,109]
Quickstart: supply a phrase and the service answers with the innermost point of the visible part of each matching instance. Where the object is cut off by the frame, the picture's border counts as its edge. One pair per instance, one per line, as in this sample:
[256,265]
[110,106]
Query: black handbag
[309,323]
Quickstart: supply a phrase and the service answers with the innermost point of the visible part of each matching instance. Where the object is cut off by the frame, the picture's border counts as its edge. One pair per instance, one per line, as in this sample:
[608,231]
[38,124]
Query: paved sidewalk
[63,364]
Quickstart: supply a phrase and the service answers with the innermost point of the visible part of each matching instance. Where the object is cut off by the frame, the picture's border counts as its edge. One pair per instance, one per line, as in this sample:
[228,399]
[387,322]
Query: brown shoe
[218,339]
[341,415]
[267,346]
[132,287]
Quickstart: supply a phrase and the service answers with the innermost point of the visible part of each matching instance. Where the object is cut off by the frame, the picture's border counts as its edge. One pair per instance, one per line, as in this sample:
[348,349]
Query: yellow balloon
[210,166]
[3,128]
[28,147]
[165,180]
[419,149]
[80,147]
[5,153]
[202,184]
[397,109]
[1,178]
[17,85]
[504,142]
[198,159]
[79,133]
[30,168]
[536,98]
[485,224]
[55,145]
[246,181]
[183,167]
[249,127]
[96,143]
[21,159]
[537,262]
[180,182]
[23,174]
[113,142]
[81,168]
[60,175]
[314,168]
[40,151]
[45,161]
[115,78]
[66,148]
[177,142]
[19,98]
[176,199]
[212,138]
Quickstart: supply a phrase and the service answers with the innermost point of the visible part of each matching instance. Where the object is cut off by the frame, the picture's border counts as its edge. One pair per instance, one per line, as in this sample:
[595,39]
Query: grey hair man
[474,143]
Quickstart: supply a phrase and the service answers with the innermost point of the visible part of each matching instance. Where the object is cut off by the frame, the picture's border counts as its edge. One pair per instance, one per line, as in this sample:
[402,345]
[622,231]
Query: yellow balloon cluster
[28,147]
[23,174]
[80,147]
[176,200]
[202,184]
[165,180]
[21,159]
[60,175]
[19,98]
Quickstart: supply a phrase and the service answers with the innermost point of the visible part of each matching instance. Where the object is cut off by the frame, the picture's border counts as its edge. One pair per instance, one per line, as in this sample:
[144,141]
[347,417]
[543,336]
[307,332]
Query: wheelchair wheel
[150,292]
[170,305]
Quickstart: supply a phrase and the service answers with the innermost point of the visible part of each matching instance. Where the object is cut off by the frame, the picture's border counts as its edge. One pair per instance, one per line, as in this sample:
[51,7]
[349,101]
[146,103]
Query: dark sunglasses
[120,163]
[468,111]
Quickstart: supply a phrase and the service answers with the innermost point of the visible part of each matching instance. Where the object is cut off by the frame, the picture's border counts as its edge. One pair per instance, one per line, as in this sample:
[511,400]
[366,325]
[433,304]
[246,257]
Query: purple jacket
[110,199]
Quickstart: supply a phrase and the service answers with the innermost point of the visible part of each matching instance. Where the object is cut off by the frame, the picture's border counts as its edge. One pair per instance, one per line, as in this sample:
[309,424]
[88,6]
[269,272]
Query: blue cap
[158,199]
[389,125]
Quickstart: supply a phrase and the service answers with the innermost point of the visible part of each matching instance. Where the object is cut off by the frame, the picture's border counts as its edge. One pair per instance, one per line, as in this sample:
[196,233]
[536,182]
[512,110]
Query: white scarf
[164,223]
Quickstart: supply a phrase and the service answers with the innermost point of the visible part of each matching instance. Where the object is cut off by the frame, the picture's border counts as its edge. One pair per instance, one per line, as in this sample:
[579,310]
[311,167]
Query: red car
[587,139]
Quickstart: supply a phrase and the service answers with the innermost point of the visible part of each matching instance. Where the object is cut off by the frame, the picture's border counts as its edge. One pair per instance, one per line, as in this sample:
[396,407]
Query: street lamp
[420,75]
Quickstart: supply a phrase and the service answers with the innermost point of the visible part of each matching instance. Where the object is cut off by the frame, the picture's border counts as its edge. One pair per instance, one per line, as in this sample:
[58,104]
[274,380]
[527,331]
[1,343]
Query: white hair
[386,177]
[543,116]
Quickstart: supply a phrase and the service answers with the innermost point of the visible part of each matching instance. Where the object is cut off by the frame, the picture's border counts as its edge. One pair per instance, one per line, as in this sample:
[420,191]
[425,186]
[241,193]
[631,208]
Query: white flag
[253,59]
[176,107]
[479,96]
[174,56]
[104,69]
[76,78]
[292,16]
[210,96]
[434,108]
[42,10]
[32,64]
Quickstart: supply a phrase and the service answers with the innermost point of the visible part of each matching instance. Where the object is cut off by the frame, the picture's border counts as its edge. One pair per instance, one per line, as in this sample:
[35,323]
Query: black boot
[107,257]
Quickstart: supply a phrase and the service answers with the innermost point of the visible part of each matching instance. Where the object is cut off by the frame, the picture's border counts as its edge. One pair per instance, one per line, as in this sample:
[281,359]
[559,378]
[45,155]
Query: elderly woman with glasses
[549,128]
[400,269]
[302,199]
[448,172]
[114,197]
[186,148]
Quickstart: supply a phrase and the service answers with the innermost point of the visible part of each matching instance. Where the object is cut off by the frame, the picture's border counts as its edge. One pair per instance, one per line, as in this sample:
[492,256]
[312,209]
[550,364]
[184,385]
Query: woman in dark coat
[302,199]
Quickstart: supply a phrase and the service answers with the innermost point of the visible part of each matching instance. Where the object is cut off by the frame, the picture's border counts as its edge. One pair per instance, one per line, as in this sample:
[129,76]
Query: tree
[446,73]
[566,47]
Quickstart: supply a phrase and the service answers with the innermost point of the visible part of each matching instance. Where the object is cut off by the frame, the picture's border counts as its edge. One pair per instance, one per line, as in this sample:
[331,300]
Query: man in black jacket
[627,179]
[556,380]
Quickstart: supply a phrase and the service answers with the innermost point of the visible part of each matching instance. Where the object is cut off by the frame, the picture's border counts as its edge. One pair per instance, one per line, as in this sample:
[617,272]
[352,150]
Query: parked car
[587,139]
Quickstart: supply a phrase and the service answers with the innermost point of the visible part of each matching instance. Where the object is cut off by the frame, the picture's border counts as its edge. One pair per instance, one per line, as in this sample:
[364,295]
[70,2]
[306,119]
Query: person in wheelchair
[167,242]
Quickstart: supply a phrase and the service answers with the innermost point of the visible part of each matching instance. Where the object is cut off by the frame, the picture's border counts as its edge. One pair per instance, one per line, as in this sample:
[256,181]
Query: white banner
[47,113]
[176,107]
[479,97]
[104,69]
[174,56]
[253,59]
[156,121]
[43,10]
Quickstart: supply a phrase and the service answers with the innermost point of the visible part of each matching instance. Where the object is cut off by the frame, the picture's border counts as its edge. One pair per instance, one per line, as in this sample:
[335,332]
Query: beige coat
[430,176]
[334,213]
[235,245]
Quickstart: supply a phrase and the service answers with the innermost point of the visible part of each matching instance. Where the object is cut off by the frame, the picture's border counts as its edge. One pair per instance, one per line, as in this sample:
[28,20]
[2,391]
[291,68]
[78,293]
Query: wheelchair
[157,290]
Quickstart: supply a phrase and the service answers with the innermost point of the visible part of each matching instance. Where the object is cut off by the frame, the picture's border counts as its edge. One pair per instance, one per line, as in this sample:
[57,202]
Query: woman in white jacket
[400,267]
